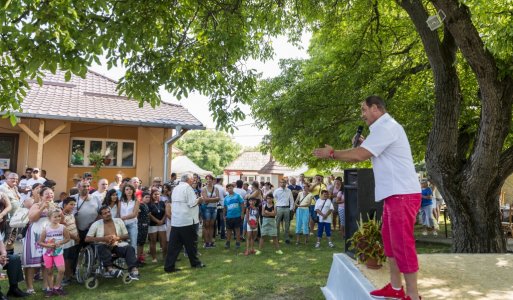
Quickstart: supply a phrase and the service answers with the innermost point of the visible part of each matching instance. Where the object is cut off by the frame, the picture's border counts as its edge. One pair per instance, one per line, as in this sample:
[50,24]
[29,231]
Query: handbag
[20,218]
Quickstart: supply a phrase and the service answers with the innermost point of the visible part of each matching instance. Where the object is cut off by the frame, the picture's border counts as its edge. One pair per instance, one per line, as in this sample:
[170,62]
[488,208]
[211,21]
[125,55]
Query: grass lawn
[297,274]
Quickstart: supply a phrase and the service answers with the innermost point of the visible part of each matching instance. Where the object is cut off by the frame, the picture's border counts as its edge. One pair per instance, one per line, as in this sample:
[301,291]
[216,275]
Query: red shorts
[399,215]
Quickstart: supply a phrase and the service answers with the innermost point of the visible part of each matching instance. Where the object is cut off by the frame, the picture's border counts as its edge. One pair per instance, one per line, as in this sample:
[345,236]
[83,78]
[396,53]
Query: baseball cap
[35,170]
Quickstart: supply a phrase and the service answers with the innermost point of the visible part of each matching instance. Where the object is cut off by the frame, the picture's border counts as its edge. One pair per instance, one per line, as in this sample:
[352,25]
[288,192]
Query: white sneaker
[330,244]
[424,232]
[435,233]
[317,245]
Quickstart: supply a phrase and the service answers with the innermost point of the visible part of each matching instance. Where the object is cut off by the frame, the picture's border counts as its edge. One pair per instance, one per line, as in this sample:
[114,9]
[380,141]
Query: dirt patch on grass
[458,276]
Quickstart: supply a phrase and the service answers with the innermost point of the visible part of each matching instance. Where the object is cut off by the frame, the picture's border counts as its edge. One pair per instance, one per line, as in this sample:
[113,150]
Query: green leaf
[67,76]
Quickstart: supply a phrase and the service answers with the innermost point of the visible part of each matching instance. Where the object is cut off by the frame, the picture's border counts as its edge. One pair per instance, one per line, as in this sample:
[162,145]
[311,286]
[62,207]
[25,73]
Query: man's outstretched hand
[323,152]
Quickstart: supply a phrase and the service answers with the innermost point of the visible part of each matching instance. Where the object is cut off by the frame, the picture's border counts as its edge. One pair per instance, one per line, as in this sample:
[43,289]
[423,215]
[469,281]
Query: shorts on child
[142,234]
[209,213]
[268,227]
[323,226]
[49,261]
[233,223]
[248,228]
[158,228]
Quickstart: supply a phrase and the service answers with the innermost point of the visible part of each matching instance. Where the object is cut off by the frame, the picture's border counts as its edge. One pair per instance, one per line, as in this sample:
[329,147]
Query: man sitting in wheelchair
[111,234]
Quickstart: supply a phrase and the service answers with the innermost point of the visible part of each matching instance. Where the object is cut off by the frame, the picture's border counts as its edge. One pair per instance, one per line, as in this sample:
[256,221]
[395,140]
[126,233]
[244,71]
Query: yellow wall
[149,150]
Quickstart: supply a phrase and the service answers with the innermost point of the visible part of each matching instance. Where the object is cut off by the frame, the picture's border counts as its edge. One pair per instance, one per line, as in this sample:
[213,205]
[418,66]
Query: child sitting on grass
[252,227]
[269,224]
[54,235]
[324,209]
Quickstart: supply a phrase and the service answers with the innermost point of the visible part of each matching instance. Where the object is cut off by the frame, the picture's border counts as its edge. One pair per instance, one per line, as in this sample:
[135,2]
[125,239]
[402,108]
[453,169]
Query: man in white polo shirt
[397,184]
[184,225]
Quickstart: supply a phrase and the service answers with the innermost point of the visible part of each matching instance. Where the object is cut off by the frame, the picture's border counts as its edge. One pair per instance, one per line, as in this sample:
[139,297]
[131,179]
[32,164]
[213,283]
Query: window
[117,153]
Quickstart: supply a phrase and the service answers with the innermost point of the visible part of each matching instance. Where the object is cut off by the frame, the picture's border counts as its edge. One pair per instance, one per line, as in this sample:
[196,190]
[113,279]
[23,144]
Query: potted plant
[368,244]
[96,160]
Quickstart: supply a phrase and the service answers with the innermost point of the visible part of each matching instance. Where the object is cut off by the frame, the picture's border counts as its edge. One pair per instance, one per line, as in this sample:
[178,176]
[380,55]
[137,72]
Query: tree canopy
[211,150]
[364,50]
[182,46]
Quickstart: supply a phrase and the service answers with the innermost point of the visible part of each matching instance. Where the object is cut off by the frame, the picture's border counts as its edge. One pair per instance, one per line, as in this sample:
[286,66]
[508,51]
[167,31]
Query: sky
[246,135]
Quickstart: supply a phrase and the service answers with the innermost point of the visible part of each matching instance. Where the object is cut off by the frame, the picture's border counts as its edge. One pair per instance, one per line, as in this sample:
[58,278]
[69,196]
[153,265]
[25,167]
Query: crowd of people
[123,216]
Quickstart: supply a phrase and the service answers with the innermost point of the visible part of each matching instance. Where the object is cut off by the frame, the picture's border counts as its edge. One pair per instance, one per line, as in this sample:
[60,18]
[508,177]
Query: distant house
[251,166]
[61,123]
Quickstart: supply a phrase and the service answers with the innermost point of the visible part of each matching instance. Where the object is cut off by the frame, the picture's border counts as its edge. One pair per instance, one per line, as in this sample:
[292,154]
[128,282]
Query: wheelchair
[89,267]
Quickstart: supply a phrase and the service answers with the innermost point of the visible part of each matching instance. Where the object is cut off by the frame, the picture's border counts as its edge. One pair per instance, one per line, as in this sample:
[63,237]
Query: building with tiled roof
[250,166]
[61,123]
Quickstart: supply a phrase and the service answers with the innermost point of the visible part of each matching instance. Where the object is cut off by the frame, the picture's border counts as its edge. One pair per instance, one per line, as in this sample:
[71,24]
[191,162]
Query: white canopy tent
[182,164]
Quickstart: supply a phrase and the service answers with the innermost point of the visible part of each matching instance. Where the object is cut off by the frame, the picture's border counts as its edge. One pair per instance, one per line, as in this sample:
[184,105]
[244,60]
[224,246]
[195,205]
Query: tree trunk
[469,179]
[476,227]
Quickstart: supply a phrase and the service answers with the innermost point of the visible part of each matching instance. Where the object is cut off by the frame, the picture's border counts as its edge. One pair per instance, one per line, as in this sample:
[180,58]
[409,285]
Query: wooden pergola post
[40,138]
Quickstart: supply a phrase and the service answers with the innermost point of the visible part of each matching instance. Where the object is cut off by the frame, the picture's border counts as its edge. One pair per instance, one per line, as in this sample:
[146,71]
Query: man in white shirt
[111,234]
[184,224]
[23,187]
[117,182]
[239,190]
[100,193]
[284,202]
[36,177]
[397,184]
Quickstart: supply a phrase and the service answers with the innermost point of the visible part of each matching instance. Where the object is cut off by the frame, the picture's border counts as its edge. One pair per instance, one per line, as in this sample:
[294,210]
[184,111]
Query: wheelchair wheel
[126,278]
[85,264]
[91,283]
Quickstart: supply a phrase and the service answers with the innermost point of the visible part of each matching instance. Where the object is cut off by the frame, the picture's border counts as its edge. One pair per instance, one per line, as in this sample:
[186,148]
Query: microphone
[357,136]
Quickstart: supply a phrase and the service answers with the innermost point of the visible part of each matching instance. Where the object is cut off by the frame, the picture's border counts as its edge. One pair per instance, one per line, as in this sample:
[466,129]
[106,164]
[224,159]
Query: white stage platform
[345,280]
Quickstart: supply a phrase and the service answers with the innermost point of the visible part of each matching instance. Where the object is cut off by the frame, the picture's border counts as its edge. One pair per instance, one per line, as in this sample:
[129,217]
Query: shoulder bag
[20,218]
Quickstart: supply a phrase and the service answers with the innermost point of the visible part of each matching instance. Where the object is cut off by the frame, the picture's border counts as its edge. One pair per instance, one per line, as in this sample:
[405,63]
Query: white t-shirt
[32,181]
[241,192]
[23,184]
[99,197]
[324,208]
[394,172]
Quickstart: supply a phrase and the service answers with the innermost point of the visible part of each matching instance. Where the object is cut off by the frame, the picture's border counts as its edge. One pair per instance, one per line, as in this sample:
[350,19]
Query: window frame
[87,145]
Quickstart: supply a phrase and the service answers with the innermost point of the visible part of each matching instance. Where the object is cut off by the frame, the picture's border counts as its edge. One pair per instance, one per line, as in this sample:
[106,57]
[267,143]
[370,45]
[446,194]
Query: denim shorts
[208,213]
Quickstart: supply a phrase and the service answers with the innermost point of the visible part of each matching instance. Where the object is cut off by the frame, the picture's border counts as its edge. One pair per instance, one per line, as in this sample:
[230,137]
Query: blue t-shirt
[233,204]
[427,192]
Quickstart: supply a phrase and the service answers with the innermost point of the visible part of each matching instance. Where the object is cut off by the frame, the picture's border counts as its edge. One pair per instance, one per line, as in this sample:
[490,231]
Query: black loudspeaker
[359,200]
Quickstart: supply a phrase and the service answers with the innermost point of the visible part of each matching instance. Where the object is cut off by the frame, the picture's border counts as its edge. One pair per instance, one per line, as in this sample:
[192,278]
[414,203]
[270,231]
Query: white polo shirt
[184,206]
[394,172]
